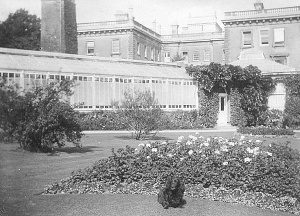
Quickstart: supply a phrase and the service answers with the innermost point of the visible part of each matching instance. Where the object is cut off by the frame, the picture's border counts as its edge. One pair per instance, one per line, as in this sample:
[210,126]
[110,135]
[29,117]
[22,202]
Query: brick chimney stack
[58,26]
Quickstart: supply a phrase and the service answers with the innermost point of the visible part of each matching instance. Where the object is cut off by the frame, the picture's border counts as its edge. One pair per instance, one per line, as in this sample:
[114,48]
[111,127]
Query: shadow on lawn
[74,149]
[150,138]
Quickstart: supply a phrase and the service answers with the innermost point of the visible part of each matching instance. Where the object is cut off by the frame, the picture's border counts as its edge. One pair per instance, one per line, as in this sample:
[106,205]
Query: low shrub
[115,120]
[247,165]
[102,120]
[263,130]
[181,120]
[272,118]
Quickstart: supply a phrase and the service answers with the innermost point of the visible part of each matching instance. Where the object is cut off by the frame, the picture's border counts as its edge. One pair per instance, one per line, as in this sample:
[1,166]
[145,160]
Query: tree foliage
[141,112]
[20,30]
[41,118]
[249,82]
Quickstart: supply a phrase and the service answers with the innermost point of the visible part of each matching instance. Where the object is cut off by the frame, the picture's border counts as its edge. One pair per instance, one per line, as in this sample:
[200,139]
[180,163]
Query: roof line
[10,51]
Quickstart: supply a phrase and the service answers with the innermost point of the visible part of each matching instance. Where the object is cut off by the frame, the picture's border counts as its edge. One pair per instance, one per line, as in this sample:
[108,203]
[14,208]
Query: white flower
[201,137]
[180,138]
[249,150]
[217,152]
[269,153]
[136,149]
[148,157]
[192,137]
[142,144]
[189,143]
[242,137]
[197,133]
[224,148]
[169,155]
[247,159]
[164,143]
[206,144]
[225,163]
[190,152]
[181,159]
[208,139]
[270,145]
[231,143]
[154,150]
[258,141]
[256,150]
[148,145]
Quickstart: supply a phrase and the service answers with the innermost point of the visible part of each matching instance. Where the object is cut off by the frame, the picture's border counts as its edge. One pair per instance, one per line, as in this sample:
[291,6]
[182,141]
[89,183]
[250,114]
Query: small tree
[41,117]
[141,112]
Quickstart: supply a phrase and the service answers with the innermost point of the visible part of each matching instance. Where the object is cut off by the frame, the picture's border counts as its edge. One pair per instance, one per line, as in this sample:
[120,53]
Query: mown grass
[24,174]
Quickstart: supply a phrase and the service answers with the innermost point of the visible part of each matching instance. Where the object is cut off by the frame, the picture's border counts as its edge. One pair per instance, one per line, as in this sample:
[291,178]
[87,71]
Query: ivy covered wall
[292,104]
[248,88]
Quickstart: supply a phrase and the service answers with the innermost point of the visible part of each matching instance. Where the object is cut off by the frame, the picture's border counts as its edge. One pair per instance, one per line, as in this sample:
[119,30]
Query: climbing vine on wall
[209,107]
[292,108]
[249,82]
[237,114]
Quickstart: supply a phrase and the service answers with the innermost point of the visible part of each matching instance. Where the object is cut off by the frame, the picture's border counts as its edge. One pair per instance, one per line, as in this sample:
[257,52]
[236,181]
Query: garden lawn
[25,174]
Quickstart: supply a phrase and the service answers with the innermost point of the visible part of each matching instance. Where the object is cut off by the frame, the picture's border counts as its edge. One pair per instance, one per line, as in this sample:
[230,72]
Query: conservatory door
[223,109]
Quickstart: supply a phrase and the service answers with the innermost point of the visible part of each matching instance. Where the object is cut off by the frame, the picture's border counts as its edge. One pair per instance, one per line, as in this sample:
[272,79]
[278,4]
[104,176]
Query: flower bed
[234,170]
[263,130]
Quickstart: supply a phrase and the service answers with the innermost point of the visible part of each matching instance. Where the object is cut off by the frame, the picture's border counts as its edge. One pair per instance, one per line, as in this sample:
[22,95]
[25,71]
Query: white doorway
[223,116]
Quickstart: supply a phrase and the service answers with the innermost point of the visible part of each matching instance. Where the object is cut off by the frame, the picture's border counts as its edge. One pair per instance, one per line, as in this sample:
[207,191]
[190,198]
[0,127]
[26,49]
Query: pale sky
[166,12]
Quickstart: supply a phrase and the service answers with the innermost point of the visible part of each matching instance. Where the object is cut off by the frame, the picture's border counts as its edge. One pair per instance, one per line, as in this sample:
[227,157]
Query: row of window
[264,37]
[10,75]
[157,106]
[115,47]
[196,56]
[97,79]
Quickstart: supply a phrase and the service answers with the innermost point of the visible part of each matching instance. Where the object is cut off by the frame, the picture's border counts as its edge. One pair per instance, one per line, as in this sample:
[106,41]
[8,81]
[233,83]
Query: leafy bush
[42,117]
[247,165]
[263,130]
[140,112]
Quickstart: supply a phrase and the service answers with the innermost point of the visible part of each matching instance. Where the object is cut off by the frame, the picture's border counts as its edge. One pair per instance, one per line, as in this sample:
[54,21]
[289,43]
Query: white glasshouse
[100,81]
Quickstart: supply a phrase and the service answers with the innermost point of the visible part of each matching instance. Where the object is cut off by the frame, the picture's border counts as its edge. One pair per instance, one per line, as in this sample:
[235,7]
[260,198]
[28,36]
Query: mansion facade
[200,42]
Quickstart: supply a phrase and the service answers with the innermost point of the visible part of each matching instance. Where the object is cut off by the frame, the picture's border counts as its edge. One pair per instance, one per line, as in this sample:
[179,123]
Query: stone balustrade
[266,12]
